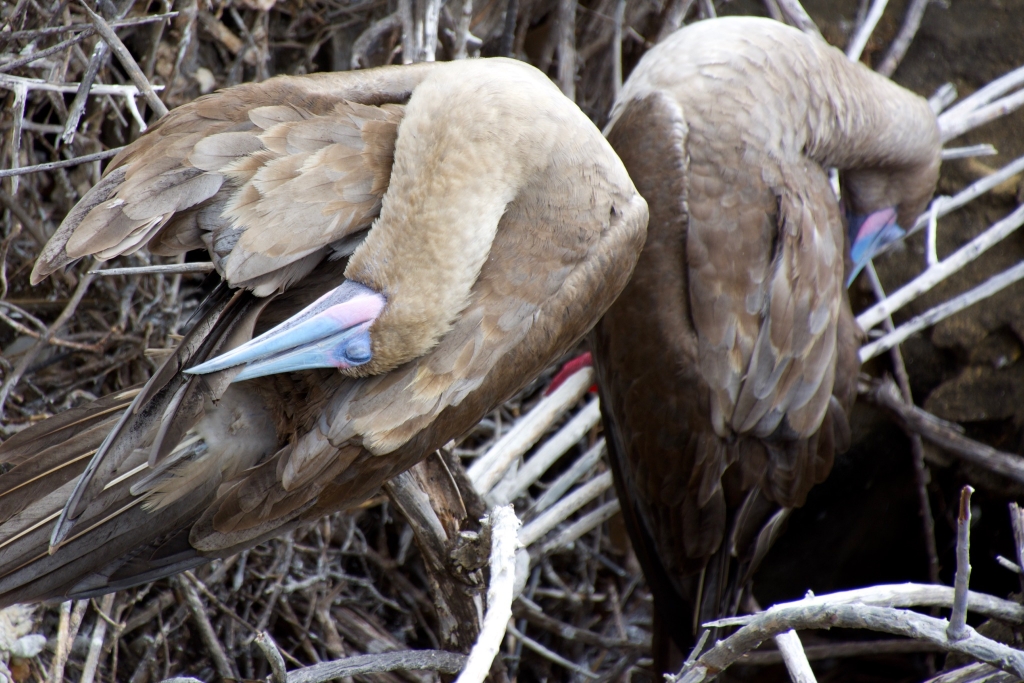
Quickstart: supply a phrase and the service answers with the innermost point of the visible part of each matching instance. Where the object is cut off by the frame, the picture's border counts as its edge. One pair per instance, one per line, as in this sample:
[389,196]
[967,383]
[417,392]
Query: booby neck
[466,147]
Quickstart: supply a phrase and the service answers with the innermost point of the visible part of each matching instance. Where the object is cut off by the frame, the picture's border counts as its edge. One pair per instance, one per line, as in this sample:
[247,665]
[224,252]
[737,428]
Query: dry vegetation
[373,581]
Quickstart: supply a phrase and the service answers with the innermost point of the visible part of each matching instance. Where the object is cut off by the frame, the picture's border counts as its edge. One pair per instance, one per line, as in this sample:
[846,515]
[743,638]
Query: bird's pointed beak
[332,332]
[868,235]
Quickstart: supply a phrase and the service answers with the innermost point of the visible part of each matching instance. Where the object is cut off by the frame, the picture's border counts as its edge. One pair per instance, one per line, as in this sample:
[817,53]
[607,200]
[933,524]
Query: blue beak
[869,235]
[332,332]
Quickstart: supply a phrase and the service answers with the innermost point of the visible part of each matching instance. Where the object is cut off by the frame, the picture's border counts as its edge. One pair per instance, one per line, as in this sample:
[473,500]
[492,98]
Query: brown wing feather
[651,407]
[273,184]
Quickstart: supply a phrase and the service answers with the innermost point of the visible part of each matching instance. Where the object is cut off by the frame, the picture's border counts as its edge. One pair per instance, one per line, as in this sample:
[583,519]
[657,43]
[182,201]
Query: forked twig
[127,61]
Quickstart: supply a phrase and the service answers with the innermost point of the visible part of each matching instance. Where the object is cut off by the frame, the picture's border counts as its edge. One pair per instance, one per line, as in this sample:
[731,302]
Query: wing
[765,256]
[265,189]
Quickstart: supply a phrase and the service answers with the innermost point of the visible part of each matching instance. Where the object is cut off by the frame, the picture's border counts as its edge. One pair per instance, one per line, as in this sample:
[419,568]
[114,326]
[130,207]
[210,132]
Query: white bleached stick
[559,512]
[985,150]
[548,454]
[567,479]
[489,468]
[860,41]
[794,657]
[955,305]
[504,543]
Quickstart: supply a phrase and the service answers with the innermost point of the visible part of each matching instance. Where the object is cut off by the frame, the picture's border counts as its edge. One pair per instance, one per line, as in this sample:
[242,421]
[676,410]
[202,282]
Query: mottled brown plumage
[501,226]
[728,366]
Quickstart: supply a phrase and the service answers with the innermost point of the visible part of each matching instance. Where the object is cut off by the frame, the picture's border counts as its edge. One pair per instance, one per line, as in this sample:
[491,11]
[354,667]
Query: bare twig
[462,22]
[820,613]
[1017,524]
[860,648]
[489,468]
[864,31]
[127,61]
[29,223]
[558,513]
[984,150]
[901,43]
[533,613]
[943,434]
[794,657]
[67,629]
[581,526]
[953,127]
[987,94]
[673,18]
[568,479]
[265,642]
[431,16]
[97,61]
[40,54]
[566,28]
[620,15]
[550,655]
[206,630]
[508,33]
[904,595]
[798,16]
[99,632]
[943,96]
[166,269]
[942,270]
[53,165]
[921,474]
[957,629]
[504,542]
[29,356]
[993,285]
[974,673]
[403,660]
[547,455]
[363,44]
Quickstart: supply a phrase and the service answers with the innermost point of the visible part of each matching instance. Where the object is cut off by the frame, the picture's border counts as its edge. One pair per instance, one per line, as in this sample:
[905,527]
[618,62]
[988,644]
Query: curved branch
[799,616]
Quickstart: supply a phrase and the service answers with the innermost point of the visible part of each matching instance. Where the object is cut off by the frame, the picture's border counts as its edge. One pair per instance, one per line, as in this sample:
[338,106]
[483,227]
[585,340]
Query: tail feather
[129,535]
[125,521]
[149,415]
[50,469]
[55,430]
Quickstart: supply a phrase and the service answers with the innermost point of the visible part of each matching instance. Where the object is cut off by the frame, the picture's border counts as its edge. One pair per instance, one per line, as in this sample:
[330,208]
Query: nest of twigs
[356,583]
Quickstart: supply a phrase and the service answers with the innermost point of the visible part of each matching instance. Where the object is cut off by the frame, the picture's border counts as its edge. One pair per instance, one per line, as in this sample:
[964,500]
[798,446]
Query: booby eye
[358,350]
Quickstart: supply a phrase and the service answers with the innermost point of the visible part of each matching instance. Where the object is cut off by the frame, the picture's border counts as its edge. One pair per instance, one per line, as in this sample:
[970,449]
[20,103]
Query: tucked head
[882,204]
[333,331]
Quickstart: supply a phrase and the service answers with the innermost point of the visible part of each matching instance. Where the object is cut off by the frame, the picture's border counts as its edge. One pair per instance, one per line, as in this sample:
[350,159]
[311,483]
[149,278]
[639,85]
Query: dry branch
[822,614]
[503,527]
[946,435]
